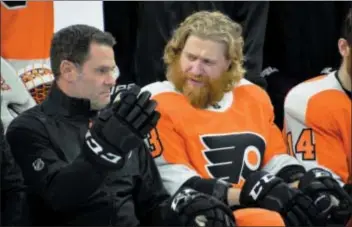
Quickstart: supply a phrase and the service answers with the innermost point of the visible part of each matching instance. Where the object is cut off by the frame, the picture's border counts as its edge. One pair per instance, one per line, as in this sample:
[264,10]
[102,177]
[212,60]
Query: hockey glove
[121,128]
[192,208]
[267,191]
[330,198]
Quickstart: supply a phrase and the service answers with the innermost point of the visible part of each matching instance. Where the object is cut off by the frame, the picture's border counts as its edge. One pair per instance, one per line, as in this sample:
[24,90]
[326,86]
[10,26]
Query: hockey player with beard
[217,127]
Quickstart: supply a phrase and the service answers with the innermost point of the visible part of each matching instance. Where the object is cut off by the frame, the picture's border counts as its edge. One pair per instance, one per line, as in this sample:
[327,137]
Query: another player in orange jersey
[216,132]
[318,115]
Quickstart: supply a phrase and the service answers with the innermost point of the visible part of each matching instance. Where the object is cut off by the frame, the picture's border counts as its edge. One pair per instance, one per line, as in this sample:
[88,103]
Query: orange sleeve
[276,155]
[169,151]
[276,144]
[274,141]
[320,138]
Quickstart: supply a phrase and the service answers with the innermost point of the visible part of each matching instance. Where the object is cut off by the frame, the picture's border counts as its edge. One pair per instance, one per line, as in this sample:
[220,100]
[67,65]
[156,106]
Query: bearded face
[200,72]
[200,90]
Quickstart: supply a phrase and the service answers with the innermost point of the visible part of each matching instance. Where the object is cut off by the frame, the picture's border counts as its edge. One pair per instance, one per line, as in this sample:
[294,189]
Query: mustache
[198,78]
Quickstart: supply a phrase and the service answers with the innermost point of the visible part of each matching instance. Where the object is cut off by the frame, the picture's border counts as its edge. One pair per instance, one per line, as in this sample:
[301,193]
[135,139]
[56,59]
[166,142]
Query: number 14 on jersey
[304,145]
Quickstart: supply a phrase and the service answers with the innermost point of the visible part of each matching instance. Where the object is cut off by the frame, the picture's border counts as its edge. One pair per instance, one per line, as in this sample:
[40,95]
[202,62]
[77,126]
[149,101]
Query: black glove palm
[264,190]
[121,128]
[191,208]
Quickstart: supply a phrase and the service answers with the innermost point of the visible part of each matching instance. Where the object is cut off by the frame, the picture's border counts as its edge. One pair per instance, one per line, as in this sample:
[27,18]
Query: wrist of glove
[100,153]
[331,199]
[120,129]
[192,208]
[267,191]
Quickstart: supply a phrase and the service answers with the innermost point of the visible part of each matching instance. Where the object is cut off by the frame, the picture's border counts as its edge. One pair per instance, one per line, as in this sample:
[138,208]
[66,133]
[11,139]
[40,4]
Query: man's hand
[192,208]
[121,128]
[267,191]
[327,194]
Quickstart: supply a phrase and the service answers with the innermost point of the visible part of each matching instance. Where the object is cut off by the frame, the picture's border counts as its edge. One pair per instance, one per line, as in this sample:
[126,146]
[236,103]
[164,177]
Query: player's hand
[327,194]
[192,208]
[121,128]
[267,191]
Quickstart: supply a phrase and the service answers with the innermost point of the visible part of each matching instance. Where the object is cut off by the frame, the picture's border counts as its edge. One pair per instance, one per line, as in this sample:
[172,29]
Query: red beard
[209,93]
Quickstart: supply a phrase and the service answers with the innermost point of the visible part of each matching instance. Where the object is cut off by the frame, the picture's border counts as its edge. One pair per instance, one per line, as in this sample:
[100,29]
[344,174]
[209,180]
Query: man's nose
[196,68]
[110,80]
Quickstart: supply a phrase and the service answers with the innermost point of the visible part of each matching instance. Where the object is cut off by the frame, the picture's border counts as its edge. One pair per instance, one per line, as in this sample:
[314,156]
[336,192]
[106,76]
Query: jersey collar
[58,103]
[348,93]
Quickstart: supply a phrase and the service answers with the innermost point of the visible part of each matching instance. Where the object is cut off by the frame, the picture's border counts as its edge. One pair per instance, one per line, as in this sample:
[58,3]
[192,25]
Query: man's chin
[99,105]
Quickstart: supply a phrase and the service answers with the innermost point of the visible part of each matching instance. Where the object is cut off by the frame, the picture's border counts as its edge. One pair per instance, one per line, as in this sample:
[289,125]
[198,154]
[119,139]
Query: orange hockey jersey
[26,31]
[227,141]
[318,125]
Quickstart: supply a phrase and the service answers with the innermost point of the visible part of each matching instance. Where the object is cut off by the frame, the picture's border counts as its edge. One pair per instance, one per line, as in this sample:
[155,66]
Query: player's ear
[344,48]
[68,71]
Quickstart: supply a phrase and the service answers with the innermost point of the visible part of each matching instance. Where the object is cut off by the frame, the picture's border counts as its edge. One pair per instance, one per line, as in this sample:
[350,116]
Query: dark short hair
[72,43]
[347,27]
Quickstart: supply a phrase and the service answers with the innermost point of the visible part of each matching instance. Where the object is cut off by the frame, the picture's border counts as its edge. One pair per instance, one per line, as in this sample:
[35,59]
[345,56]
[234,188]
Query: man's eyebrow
[106,67]
[203,58]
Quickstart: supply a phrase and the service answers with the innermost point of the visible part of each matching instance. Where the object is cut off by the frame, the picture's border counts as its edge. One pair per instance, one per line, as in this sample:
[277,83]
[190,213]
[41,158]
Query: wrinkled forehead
[204,48]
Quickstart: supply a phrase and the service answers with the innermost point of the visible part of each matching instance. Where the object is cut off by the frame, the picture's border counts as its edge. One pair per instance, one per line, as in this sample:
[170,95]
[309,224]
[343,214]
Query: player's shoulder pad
[160,87]
[297,98]
[254,91]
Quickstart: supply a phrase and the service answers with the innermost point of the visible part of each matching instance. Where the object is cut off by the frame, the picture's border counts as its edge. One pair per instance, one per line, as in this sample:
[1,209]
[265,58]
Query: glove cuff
[213,187]
[291,173]
[256,186]
[99,153]
[311,175]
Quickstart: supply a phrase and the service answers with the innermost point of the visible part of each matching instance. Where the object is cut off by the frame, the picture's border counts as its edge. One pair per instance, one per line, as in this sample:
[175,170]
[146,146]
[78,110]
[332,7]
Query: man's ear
[68,71]
[344,48]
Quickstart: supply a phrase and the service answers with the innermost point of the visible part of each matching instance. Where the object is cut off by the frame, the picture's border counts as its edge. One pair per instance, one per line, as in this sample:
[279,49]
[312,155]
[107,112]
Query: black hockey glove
[192,208]
[267,191]
[121,128]
[330,198]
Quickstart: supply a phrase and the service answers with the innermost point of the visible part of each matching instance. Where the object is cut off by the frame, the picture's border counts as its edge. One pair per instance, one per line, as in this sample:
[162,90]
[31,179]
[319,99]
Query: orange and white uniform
[317,125]
[227,141]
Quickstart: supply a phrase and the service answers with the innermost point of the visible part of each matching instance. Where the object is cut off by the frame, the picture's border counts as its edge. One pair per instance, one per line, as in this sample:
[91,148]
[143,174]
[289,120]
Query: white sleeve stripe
[175,175]
[278,162]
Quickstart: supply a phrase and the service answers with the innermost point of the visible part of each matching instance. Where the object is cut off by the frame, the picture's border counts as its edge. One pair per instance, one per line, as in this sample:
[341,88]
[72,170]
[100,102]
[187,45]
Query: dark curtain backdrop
[296,40]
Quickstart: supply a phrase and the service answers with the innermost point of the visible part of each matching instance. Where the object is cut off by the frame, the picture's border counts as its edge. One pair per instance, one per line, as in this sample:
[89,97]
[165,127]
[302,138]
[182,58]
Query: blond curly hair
[213,26]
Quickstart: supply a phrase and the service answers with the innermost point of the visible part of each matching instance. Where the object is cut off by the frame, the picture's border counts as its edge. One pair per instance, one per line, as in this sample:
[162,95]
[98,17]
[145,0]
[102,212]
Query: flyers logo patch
[232,157]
